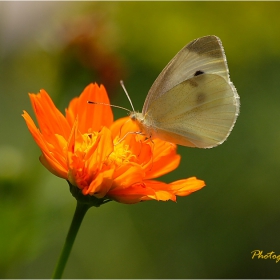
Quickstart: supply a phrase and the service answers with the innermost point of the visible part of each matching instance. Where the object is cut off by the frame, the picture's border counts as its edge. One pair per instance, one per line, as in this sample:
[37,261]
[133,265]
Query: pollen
[88,140]
[121,154]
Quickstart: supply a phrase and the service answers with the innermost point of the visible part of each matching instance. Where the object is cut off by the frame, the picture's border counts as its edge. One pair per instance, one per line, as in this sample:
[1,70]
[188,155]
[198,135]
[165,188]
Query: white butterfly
[192,102]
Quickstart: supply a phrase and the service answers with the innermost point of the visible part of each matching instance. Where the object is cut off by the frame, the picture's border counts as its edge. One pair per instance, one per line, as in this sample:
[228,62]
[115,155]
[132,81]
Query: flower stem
[80,212]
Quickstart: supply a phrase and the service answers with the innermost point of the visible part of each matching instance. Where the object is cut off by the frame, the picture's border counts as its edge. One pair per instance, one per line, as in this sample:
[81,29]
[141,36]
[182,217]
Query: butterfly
[192,102]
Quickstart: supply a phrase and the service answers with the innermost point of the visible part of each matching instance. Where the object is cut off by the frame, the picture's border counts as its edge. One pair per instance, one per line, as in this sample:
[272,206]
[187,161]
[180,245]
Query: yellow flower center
[121,154]
[86,163]
[86,143]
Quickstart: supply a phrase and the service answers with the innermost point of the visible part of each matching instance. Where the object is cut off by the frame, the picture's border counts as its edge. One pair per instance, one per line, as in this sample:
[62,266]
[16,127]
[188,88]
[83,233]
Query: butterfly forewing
[203,55]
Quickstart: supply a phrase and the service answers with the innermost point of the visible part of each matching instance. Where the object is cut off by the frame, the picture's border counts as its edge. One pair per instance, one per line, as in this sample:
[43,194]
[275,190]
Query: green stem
[80,212]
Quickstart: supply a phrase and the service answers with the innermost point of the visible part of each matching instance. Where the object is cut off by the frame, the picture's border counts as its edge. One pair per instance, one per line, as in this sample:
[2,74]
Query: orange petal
[125,129]
[35,132]
[50,154]
[72,111]
[127,175]
[156,190]
[101,184]
[50,119]
[130,195]
[104,148]
[142,191]
[186,186]
[93,116]
[160,191]
[53,166]
[165,159]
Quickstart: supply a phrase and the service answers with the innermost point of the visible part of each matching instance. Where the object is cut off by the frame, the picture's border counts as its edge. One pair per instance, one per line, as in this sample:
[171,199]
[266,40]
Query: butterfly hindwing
[198,112]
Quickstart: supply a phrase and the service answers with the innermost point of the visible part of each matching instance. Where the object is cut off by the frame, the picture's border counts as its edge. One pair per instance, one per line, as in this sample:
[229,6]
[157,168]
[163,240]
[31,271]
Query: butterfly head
[137,117]
[140,120]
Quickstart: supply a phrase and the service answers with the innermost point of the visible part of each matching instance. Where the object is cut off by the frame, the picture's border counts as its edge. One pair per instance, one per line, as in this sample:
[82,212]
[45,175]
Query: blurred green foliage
[64,46]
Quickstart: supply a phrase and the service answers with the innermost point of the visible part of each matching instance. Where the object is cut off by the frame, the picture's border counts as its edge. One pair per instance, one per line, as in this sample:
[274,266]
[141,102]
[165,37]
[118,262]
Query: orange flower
[100,158]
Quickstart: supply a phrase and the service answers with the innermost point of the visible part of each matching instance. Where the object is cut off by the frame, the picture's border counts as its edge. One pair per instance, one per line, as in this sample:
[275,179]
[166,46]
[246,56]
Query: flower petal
[53,166]
[72,111]
[104,148]
[156,190]
[186,186]
[101,184]
[127,175]
[130,195]
[93,116]
[165,159]
[50,119]
[121,126]
[50,153]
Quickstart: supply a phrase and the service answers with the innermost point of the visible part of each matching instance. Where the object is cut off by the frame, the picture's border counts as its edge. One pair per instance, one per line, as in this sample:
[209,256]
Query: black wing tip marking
[198,72]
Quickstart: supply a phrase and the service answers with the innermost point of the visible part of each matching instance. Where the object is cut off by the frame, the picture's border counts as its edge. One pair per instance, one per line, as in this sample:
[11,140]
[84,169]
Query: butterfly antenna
[106,104]
[122,84]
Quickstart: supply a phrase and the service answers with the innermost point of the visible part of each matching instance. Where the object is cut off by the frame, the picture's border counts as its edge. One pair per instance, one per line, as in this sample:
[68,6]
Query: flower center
[121,154]
[79,164]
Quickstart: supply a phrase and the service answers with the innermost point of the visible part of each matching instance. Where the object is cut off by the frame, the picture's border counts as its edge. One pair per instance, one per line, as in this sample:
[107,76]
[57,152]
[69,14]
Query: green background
[209,234]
